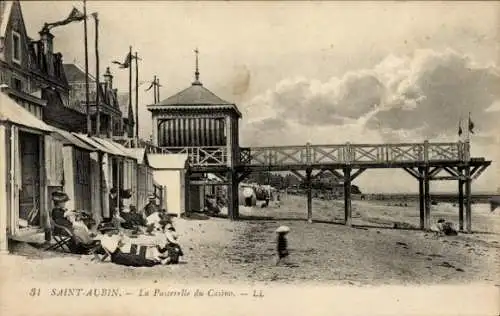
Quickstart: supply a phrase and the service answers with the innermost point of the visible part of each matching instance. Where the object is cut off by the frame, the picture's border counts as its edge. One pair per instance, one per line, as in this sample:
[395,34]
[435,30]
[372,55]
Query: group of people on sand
[109,238]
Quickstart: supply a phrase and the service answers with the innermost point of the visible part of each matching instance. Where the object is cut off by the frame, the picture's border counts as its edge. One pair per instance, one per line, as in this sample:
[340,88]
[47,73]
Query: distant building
[127,121]
[109,108]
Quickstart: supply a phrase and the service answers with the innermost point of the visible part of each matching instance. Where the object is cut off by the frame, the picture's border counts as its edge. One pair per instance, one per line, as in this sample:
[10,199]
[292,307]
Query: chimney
[47,49]
[108,79]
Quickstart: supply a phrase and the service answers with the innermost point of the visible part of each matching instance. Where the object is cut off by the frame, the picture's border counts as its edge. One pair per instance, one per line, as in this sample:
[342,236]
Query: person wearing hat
[151,207]
[282,243]
[81,240]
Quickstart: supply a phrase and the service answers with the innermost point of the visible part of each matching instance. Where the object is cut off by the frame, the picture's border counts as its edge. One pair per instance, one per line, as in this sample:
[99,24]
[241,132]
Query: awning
[95,144]
[119,149]
[11,111]
[69,139]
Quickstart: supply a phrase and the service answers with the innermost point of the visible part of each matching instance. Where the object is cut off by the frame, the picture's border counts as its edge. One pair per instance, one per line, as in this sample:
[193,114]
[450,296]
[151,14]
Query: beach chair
[61,236]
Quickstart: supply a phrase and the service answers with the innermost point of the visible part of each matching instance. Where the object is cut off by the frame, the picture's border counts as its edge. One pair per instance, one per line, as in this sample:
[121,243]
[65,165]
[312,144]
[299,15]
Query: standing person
[282,243]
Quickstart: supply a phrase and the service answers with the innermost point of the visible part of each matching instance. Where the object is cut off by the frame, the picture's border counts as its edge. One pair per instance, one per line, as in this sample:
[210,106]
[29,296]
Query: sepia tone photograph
[242,147]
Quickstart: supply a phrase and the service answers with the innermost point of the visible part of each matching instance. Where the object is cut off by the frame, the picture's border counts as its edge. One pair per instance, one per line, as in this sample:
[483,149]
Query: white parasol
[283,229]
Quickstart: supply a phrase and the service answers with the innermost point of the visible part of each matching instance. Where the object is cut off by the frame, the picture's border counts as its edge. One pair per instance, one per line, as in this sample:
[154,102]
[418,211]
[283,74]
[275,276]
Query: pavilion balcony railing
[354,153]
[198,156]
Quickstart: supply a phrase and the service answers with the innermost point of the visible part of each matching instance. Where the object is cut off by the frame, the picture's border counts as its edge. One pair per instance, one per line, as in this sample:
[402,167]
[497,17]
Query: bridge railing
[354,153]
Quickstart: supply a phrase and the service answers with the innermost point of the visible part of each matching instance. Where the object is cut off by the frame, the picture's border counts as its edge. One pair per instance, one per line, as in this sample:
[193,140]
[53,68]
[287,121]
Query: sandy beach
[371,252]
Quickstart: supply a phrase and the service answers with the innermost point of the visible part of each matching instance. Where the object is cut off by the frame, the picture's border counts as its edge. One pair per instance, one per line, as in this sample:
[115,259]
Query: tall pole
[154,89]
[87,104]
[130,81]
[97,76]
[158,89]
[136,97]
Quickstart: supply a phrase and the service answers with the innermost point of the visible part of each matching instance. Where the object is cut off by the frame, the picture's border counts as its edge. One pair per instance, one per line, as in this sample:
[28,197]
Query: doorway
[29,193]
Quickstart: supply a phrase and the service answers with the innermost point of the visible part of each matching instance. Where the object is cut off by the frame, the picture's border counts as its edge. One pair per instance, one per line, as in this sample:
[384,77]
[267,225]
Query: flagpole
[158,89]
[130,81]
[154,89]
[136,96]
[87,104]
[97,75]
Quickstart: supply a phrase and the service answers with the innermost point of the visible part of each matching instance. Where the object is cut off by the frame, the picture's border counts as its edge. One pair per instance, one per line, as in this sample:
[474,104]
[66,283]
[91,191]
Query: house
[109,109]
[169,171]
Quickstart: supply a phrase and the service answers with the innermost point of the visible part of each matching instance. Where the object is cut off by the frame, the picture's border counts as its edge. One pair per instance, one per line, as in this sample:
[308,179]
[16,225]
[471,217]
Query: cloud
[422,95]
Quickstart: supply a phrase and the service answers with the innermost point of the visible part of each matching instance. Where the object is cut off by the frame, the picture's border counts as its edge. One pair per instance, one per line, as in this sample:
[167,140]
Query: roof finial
[197,72]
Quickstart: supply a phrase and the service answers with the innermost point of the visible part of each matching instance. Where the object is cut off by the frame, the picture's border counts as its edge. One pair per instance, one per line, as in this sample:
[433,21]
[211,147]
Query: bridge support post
[461,200]
[187,191]
[427,199]
[309,195]
[347,197]
[468,201]
[232,196]
[421,197]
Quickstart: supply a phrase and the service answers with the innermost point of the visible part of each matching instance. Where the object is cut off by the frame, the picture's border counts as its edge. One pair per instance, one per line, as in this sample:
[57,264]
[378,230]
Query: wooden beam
[298,174]
[421,197]
[309,195]
[347,197]
[435,171]
[461,183]
[232,196]
[337,174]
[444,178]
[468,195]
[427,199]
[357,173]
[319,173]
[477,173]
[413,173]
[451,171]
[243,175]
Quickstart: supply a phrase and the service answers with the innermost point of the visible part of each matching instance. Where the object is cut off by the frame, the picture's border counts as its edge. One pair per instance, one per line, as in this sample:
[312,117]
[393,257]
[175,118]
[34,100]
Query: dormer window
[16,47]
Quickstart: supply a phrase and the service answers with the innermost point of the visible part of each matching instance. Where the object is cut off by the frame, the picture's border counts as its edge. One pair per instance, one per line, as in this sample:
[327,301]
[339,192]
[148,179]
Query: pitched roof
[11,111]
[196,94]
[5,10]
[69,139]
[194,97]
[74,73]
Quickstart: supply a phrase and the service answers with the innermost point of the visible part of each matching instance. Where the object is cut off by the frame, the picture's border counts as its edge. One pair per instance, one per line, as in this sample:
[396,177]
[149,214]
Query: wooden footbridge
[424,161]
[205,127]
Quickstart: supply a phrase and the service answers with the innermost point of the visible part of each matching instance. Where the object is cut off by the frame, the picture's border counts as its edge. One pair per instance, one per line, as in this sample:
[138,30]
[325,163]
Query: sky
[323,72]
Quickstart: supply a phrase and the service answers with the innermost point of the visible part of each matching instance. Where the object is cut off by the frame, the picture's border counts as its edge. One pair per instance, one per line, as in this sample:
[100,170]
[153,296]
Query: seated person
[151,207]
[167,245]
[153,221]
[81,238]
[132,218]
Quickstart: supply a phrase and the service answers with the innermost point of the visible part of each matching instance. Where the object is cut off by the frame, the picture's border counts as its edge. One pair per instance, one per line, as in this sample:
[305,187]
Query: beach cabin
[169,172]
[69,168]
[145,182]
[23,189]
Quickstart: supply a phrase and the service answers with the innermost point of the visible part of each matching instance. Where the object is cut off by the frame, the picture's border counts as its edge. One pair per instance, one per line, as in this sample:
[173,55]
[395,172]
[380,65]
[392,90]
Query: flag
[471,125]
[460,128]
[74,16]
[126,63]
[152,84]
